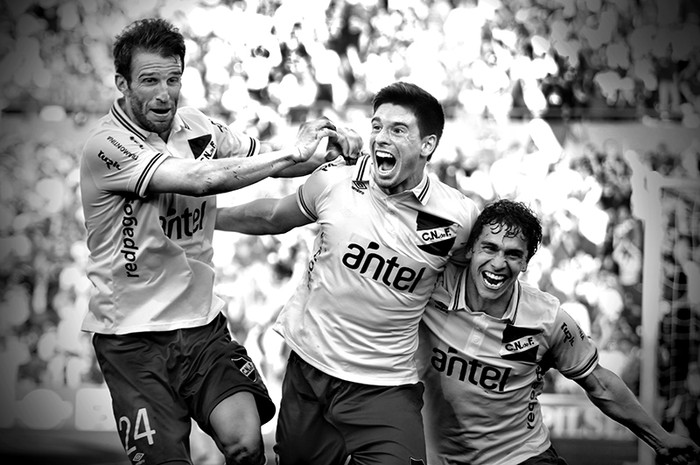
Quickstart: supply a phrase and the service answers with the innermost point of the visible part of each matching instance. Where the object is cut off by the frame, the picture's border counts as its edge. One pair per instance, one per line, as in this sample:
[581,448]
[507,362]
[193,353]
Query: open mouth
[161,111]
[493,281]
[385,161]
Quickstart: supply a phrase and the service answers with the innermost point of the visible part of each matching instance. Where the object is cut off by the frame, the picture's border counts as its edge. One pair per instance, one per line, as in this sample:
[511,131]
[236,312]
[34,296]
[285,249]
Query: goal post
[664,205]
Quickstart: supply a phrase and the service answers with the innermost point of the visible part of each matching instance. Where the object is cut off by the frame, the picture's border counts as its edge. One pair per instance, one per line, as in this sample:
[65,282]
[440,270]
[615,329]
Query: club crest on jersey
[246,367]
[437,234]
[202,146]
[519,344]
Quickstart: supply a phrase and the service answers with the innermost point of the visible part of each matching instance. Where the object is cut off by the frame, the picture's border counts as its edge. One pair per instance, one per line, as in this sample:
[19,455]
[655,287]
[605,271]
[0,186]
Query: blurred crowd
[260,59]
[265,65]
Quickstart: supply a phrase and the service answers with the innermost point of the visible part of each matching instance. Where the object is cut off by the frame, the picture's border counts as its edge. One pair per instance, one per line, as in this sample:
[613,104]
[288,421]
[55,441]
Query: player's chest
[407,228]
[492,346]
[187,145]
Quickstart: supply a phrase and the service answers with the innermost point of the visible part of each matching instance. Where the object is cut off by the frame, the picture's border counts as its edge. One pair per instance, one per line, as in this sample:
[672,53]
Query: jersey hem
[167,326]
[369,379]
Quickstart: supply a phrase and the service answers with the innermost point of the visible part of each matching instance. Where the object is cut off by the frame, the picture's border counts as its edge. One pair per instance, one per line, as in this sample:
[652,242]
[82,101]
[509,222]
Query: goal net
[670,211]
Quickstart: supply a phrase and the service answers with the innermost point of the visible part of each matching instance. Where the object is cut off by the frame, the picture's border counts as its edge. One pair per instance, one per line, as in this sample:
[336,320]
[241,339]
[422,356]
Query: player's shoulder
[111,138]
[196,118]
[444,196]
[334,171]
[443,191]
[535,306]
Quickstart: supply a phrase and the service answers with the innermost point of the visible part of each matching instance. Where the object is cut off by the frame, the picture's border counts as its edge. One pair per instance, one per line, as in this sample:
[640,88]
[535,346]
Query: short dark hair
[428,111]
[150,35]
[516,217]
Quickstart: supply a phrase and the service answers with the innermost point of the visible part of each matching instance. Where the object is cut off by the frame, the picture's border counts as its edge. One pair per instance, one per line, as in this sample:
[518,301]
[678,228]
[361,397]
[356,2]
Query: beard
[138,106]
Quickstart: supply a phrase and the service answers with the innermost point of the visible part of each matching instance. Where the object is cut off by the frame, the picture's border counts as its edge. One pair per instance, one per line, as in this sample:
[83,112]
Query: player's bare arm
[262,216]
[612,396]
[208,177]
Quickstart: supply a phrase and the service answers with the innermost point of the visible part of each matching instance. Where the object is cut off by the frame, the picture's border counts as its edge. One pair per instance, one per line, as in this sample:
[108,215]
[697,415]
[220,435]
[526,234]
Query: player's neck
[495,307]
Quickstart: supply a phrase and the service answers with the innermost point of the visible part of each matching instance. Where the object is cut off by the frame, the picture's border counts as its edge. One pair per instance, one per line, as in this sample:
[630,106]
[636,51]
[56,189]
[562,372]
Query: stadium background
[570,105]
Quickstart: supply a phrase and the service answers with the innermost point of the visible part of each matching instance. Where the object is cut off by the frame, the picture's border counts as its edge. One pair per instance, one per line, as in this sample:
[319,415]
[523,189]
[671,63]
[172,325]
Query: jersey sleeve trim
[254,147]
[585,370]
[147,173]
[303,206]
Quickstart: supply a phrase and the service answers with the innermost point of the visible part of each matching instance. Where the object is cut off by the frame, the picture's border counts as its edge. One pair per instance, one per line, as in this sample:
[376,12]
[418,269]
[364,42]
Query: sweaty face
[151,98]
[398,152]
[495,262]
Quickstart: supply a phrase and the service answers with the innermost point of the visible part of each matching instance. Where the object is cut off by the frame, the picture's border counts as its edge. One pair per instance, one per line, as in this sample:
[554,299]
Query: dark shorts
[548,457]
[161,380]
[323,420]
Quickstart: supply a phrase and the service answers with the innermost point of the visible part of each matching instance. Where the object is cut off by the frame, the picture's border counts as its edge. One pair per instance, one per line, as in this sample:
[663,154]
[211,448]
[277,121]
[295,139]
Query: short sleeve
[118,162]
[313,191]
[575,355]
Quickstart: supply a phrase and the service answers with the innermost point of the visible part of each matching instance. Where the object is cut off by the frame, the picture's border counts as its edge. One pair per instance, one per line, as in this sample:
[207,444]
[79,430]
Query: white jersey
[483,375]
[376,257]
[150,254]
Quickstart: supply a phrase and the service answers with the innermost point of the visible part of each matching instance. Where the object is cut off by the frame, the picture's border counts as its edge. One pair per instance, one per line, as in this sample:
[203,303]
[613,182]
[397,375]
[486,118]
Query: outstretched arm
[612,396]
[262,216]
[208,177]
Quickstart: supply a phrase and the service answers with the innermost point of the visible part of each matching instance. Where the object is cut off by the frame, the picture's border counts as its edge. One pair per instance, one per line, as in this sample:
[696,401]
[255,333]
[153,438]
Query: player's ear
[121,83]
[469,254]
[428,145]
[523,265]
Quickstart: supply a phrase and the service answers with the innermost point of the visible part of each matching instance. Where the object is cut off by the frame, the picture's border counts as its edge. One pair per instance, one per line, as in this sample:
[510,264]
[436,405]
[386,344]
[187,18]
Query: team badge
[519,344]
[437,234]
[246,367]
[202,146]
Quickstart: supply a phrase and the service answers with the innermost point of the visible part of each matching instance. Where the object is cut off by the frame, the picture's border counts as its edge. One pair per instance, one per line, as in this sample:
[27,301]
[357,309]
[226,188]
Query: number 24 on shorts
[142,429]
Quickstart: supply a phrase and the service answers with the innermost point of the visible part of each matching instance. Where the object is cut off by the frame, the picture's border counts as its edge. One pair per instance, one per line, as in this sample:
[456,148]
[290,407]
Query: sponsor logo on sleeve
[108,161]
[568,336]
[123,150]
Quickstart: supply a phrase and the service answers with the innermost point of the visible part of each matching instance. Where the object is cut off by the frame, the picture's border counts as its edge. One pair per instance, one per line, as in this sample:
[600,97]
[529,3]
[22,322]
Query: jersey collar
[122,119]
[363,173]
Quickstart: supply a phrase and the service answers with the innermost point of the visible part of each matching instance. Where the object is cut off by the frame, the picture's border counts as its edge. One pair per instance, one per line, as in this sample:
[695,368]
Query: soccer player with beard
[386,229]
[486,342]
[149,176]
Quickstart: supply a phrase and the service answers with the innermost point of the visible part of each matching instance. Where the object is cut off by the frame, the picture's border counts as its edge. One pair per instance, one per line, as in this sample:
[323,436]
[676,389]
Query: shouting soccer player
[486,341]
[386,230]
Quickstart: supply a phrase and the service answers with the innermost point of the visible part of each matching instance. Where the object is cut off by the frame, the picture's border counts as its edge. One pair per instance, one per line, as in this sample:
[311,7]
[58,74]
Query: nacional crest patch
[246,367]
[437,234]
[519,344]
